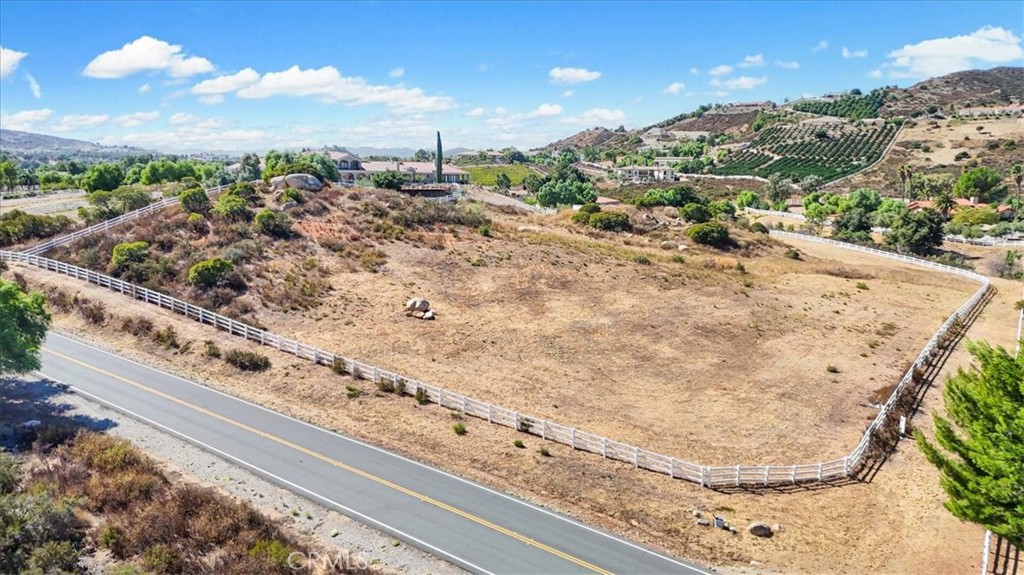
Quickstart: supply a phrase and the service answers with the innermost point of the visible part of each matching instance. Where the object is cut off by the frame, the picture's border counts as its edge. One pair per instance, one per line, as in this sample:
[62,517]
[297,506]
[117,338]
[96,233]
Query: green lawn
[486,175]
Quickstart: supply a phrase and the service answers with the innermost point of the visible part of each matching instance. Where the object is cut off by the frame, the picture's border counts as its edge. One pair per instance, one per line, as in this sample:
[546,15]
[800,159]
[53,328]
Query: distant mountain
[13,141]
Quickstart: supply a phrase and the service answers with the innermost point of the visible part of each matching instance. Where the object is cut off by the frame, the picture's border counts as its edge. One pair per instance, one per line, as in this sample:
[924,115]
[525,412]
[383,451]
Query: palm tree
[904,173]
[1018,176]
[944,202]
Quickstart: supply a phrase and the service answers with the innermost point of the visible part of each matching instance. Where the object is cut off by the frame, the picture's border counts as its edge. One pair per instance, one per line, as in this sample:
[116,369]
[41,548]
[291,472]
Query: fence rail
[108,224]
[708,476]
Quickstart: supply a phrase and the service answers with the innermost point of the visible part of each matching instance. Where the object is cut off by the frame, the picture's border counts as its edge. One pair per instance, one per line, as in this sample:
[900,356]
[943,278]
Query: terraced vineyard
[796,151]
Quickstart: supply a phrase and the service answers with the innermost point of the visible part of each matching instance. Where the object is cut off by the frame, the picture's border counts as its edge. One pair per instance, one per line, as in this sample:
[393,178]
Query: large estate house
[352,168]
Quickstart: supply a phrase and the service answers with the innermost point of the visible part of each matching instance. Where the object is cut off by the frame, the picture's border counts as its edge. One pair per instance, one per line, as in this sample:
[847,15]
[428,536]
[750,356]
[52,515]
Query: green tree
[249,168]
[981,465]
[438,161]
[915,232]
[209,273]
[696,213]
[929,186]
[388,180]
[750,199]
[945,203]
[103,176]
[710,234]
[563,192]
[127,253]
[194,200]
[976,216]
[23,325]
[777,189]
[982,183]
[853,225]
[532,183]
[502,182]
[863,198]
[722,209]
[905,173]
[8,174]
[273,223]
[811,183]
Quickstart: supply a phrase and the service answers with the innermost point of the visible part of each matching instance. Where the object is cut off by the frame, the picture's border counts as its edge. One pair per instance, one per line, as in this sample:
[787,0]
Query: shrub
[792,254]
[421,396]
[459,428]
[127,253]
[610,221]
[166,337]
[273,223]
[759,228]
[832,369]
[196,222]
[53,557]
[484,230]
[582,217]
[232,208]
[338,366]
[163,559]
[862,286]
[678,259]
[137,326]
[209,273]
[710,234]
[352,391]
[589,208]
[10,474]
[93,312]
[194,200]
[544,451]
[694,213]
[273,551]
[247,360]
[292,195]
[642,260]
[519,443]
[212,350]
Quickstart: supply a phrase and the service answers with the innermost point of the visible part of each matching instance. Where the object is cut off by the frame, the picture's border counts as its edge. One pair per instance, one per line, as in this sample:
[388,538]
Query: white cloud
[598,116]
[875,74]
[183,119]
[792,64]
[941,56]
[24,120]
[476,112]
[752,61]
[822,45]
[72,122]
[9,60]
[136,119]
[545,110]
[397,73]
[847,53]
[740,83]
[720,94]
[146,54]
[720,70]
[228,83]
[34,86]
[144,89]
[674,88]
[211,99]
[197,138]
[694,71]
[500,111]
[567,94]
[572,75]
[329,86]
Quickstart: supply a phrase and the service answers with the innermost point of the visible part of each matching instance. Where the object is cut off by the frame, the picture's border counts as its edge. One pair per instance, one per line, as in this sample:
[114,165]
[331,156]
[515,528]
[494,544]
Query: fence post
[463,405]
[574,438]
[604,447]
[636,457]
[737,476]
[490,413]
[544,429]
[517,421]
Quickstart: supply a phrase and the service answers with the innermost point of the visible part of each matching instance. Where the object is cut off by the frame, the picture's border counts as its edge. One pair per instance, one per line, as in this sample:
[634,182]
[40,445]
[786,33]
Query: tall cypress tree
[982,464]
[437,160]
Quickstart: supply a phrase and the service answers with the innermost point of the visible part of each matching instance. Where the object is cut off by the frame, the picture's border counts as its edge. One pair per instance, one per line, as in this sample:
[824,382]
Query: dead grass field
[893,524]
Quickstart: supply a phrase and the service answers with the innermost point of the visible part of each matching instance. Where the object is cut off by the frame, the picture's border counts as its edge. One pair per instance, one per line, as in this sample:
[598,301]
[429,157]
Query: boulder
[429,314]
[760,530]
[703,522]
[303,182]
[666,245]
[683,247]
[417,304]
[288,205]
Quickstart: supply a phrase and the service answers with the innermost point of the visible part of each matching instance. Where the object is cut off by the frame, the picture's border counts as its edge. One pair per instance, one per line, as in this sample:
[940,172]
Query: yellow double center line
[341,465]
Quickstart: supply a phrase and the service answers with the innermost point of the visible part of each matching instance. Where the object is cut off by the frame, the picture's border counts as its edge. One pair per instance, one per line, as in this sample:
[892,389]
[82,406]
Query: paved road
[474,527]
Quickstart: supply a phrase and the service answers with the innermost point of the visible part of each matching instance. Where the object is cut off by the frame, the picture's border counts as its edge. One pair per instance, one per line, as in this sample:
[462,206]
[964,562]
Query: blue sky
[238,76]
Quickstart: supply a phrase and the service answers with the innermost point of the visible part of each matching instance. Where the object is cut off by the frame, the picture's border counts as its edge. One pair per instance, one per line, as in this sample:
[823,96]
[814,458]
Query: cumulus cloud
[572,75]
[598,116]
[144,89]
[211,99]
[147,54]
[9,60]
[875,74]
[939,56]
[847,53]
[545,110]
[397,73]
[674,88]
[24,120]
[720,70]
[329,86]
[567,94]
[792,64]
[136,119]
[500,111]
[476,112]
[740,83]
[34,86]
[72,122]
[755,61]
[822,45]
[227,83]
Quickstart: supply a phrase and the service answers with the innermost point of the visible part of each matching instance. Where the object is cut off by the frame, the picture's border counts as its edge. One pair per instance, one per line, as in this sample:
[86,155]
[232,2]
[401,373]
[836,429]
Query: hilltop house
[1005,212]
[352,168]
[639,174]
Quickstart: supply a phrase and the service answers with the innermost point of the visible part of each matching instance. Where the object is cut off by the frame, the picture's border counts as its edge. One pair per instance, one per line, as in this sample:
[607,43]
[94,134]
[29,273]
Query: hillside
[600,138]
[970,88]
[30,146]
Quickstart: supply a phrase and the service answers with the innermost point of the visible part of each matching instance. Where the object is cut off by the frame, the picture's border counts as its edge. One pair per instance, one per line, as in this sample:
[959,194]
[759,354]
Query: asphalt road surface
[472,526]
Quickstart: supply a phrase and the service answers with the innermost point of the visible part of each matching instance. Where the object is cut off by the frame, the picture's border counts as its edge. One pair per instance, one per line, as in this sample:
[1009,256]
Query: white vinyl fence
[704,475]
[108,224]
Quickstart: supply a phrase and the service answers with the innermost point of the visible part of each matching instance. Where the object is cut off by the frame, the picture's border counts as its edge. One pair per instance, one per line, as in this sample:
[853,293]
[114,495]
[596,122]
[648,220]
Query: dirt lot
[893,524]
